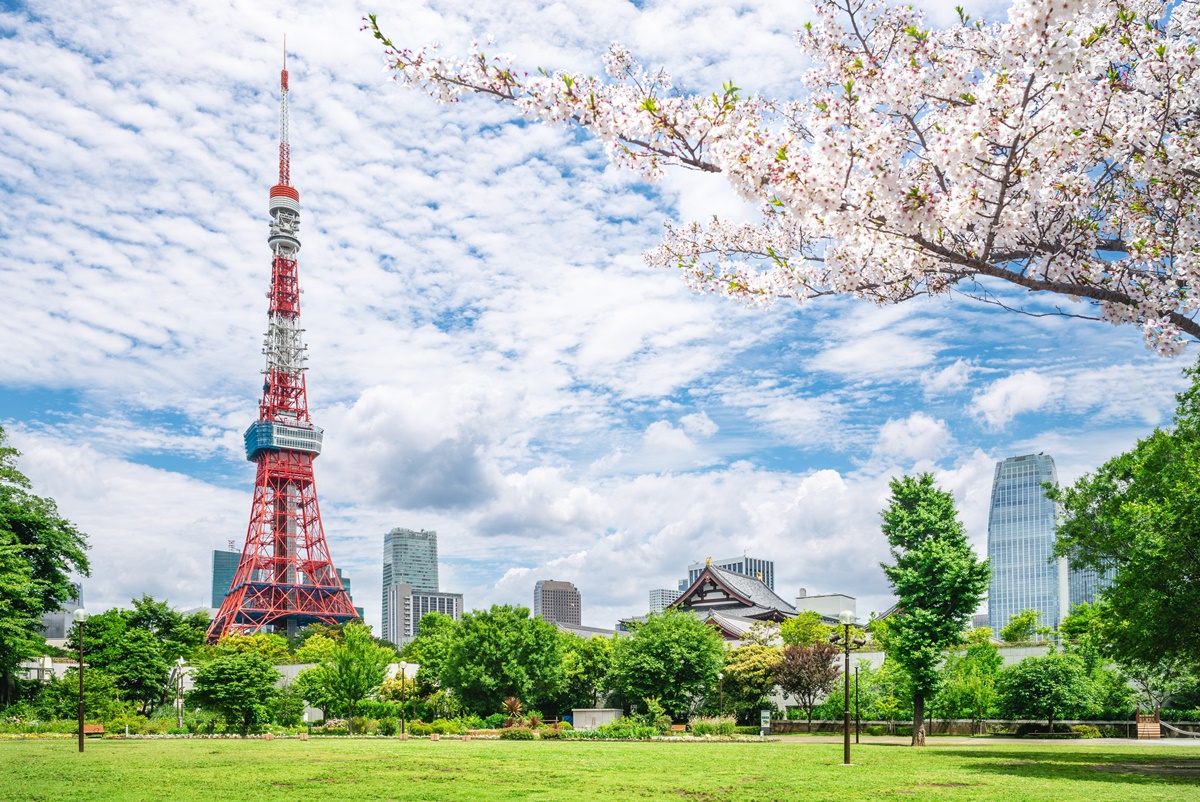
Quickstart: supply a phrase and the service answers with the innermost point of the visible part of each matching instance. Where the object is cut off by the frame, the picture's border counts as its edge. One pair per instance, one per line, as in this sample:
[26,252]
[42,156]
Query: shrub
[138,725]
[565,725]
[388,726]
[1086,731]
[876,729]
[516,734]
[712,725]
[420,728]
[626,728]
[443,727]
[364,725]
[552,733]
[747,730]
[494,722]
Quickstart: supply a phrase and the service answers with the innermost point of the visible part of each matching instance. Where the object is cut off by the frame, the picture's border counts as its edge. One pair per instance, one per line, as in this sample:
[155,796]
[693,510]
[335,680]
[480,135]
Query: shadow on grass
[1093,766]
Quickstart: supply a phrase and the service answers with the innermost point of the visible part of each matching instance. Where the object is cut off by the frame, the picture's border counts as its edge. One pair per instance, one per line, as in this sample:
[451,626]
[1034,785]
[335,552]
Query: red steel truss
[286,578]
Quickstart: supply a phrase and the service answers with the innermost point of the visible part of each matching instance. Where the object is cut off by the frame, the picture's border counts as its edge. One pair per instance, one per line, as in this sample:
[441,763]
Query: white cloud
[1015,394]
[916,437]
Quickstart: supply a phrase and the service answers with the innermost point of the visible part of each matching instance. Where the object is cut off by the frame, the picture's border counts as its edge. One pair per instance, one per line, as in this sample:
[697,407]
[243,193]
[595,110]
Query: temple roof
[732,602]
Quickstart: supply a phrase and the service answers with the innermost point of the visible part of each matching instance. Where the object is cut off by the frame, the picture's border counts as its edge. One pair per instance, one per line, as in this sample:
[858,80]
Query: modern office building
[409,558]
[661,598]
[826,605]
[56,625]
[408,606]
[762,570]
[224,567]
[1021,535]
[557,602]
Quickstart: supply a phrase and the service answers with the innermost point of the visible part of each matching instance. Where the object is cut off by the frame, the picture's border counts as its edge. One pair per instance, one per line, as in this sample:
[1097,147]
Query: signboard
[764,723]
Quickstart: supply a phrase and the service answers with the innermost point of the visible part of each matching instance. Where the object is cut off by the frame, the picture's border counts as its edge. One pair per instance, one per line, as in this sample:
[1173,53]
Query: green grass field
[342,769]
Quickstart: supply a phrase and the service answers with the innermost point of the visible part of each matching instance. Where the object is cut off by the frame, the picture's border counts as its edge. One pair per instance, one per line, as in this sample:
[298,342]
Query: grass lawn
[211,770]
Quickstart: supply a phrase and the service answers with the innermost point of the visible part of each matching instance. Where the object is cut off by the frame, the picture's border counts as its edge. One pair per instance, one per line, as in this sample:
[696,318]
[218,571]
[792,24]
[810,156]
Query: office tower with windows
[557,602]
[762,570]
[409,558]
[661,598]
[1025,573]
[224,567]
[408,606]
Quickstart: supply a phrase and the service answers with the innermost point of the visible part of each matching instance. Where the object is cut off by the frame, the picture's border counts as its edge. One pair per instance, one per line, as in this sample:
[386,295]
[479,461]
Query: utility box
[590,718]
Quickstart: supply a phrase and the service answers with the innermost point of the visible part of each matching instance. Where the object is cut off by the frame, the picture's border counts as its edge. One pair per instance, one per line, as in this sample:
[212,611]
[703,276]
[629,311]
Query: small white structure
[590,718]
[828,605]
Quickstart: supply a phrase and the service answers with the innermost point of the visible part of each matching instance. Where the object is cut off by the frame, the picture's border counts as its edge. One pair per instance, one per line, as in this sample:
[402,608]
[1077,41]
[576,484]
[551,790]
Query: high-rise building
[762,570]
[661,598]
[57,625]
[408,606]
[409,558]
[224,568]
[557,602]
[1021,535]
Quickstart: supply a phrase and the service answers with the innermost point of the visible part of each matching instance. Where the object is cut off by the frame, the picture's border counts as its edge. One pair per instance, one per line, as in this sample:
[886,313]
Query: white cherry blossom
[1058,151]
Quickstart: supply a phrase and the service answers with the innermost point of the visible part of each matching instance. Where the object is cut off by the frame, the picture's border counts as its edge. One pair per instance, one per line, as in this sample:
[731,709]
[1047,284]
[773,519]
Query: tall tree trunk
[810,721]
[918,731]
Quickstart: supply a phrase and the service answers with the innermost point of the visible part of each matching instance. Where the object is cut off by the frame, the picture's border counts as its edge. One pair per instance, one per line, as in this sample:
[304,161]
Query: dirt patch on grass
[1173,768]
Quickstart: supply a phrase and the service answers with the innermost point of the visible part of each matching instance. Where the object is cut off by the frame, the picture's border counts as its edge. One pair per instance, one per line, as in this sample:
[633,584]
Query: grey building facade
[408,606]
[557,602]
[661,598]
[224,568]
[57,625]
[746,566]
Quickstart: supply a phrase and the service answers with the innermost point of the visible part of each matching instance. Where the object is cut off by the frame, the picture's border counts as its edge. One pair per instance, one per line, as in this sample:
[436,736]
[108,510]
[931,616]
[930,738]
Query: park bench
[679,728]
[93,729]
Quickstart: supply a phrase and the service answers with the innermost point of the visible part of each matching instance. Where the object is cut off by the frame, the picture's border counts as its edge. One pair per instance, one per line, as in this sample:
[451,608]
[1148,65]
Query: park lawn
[389,769]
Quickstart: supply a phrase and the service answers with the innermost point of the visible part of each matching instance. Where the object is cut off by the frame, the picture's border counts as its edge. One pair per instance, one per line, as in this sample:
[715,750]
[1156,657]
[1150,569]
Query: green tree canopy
[806,629]
[586,665]
[431,647]
[968,689]
[39,550]
[1055,686]
[1138,518]
[1023,628]
[240,687]
[750,677]
[938,579]
[671,656]
[502,652]
[355,668]
[101,698]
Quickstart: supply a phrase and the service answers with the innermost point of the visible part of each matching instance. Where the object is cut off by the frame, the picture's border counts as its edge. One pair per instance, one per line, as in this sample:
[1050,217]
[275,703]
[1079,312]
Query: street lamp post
[721,693]
[179,693]
[857,709]
[846,618]
[80,617]
[403,695]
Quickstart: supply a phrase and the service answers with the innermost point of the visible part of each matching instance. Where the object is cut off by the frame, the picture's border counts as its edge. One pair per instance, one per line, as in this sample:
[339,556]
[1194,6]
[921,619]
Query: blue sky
[489,357]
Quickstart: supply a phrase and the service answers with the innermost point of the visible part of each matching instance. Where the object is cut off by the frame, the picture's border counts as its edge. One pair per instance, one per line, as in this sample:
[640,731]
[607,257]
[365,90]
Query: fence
[1111,729]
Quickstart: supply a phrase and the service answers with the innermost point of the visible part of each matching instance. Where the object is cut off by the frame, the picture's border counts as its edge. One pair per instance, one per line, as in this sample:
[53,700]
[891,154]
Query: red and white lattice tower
[286,578]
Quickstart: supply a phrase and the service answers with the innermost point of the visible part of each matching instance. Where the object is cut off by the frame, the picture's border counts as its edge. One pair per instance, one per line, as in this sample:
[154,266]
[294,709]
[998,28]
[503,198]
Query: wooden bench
[680,728]
[93,729]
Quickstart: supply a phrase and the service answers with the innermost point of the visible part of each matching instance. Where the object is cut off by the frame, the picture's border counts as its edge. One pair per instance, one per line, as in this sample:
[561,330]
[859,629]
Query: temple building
[732,602]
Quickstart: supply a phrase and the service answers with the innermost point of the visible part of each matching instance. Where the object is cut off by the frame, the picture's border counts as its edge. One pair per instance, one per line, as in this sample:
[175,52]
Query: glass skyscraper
[1025,573]
[409,558]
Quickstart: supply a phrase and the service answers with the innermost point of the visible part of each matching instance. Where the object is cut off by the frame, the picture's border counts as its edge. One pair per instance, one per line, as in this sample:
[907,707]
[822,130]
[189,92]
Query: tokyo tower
[286,578]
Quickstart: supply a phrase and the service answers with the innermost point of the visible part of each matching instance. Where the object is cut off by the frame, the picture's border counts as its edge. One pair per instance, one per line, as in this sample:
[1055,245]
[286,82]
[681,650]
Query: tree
[1137,519]
[750,677]
[240,687]
[180,635]
[968,688]
[355,668]
[59,698]
[586,664]
[136,664]
[499,653]
[1023,628]
[808,674]
[1054,152]
[671,656]
[273,648]
[310,685]
[1051,687]
[806,629]
[315,649]
[937,578]
[39,550]
[431,647]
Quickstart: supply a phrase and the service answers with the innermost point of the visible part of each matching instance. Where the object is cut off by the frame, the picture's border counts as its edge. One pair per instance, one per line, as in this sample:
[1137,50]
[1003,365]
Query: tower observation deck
[285,578]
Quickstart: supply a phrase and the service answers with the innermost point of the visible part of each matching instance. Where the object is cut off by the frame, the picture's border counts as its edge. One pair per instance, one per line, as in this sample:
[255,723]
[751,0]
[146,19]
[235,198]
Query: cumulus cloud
[917,437]
[1013,395]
